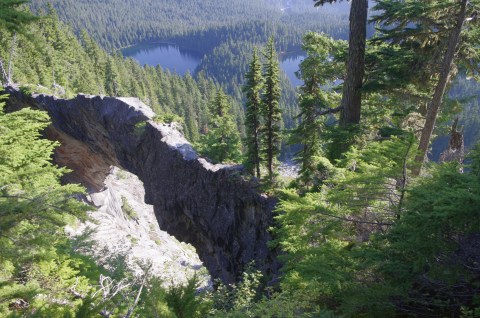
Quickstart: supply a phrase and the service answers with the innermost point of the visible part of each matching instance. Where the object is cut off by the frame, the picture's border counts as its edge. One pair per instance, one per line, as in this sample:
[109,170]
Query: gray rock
[137,235]
[209,206]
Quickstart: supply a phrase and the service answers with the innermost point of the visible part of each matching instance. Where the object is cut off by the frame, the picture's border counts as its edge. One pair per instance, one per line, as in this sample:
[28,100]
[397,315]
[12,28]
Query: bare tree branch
[137,299]
[352,220]
[330,111]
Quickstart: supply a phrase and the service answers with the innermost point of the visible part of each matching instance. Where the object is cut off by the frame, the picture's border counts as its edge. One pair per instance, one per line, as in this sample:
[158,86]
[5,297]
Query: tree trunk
[270,153]
[10,59]
[456,149]
[351,98]
[4,73]
[443,80]
[257,152]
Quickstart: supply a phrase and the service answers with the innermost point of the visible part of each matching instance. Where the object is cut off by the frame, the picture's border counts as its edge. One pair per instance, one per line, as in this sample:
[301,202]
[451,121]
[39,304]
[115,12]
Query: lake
[289,64]
[169,56]
[178,60]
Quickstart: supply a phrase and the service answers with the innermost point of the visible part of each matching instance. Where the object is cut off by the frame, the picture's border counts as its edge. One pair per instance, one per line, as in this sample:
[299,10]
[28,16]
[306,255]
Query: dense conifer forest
[223,32]
[113,24]
[370,227]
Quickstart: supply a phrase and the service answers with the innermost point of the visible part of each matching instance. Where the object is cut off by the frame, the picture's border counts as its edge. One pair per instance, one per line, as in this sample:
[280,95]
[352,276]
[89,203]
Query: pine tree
[316,70]
[222,141]
[13,19]
[271,109]
[427,30]
[444,78]
[36,257]
[253,93]
[351,98]
[112,79]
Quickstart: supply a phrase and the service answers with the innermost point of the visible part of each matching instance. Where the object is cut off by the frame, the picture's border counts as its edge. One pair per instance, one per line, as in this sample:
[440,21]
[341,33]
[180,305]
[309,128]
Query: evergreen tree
[352,98]
[444,78]
[222,141]
[316,70]
[271,109]
[12,18]
[253,93]
[351,103]
[36,257]
[112,79]
[427,30]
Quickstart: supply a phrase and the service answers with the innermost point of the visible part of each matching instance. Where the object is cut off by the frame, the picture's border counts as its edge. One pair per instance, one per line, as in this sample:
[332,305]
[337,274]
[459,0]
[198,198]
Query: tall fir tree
[253,93]
[351,98]
[351,103]
[271,109]
[443,80]
[439,35]
[112,81]
[36,257]
[316,70]
[222,141]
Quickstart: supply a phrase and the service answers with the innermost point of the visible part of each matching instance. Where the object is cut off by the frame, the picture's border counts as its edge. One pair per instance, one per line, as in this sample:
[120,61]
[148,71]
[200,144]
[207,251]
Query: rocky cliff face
[210,206]
[123,231]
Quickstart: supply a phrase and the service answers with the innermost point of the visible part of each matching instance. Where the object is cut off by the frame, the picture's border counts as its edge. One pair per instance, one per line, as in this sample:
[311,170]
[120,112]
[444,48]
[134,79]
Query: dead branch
[352,220]
[330,111]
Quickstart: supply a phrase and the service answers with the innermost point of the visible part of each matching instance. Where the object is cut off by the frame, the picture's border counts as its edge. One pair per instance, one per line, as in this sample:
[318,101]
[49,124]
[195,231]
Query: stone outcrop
[209,206]
[123,230]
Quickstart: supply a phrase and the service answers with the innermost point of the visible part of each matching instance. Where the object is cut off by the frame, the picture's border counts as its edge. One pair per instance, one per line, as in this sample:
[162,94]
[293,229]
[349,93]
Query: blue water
[290,65]
[168,56]
[175,59]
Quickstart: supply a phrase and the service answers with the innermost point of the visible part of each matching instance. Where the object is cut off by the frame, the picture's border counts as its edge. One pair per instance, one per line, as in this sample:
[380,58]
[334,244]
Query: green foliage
[322,232]
[168,118]
[271,111]
[184,302]
[36,257]
[128,210]
[222,141]
[176,301]
[237,300]
[316,71]
[429,250]
[253,93]
[404,60]
[12,18]
[474,156]
[154,301]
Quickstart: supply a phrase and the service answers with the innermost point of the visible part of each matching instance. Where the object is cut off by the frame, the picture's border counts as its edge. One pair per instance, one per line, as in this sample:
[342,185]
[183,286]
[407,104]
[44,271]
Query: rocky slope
[210,206]
[124,231]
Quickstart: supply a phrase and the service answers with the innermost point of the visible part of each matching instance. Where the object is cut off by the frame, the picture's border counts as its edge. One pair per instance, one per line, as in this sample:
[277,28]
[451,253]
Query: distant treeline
[115,24]
[50,55]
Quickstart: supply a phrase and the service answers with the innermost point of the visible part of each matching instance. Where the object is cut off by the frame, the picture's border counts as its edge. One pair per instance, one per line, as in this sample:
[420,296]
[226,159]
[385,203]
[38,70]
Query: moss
[132,239]
[140,128]
[128,210]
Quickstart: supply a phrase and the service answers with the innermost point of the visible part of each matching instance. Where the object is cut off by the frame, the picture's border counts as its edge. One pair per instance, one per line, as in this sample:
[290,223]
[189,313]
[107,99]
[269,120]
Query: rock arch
[209,206]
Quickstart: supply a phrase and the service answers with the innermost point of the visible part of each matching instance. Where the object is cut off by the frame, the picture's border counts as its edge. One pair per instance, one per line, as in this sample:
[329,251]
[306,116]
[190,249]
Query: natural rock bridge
[209,206]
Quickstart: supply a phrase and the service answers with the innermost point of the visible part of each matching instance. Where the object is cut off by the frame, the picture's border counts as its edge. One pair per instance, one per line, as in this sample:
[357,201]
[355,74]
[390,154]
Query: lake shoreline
[177,59]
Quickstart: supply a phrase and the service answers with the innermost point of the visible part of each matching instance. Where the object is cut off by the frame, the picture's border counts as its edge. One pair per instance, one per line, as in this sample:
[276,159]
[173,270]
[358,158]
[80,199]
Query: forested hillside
[223,32]
[117,24]
[370,227]
[50,55]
